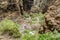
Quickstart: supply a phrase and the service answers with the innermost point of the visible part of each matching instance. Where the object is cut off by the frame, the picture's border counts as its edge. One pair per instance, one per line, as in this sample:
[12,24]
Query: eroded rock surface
[52,17]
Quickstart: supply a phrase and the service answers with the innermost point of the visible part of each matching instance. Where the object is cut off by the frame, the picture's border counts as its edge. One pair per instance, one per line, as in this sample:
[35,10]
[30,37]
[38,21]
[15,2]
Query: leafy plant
[37,18]
[34,18]
[9,25]
[49,36]
[46,36]
[27,36]
[26,15]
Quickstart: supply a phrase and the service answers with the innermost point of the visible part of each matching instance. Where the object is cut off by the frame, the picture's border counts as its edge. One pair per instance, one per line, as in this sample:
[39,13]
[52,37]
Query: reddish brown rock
[52,17]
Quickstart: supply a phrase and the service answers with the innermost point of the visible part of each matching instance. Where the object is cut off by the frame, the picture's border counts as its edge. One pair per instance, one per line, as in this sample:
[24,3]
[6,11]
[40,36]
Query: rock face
[41,5]
[9,5]
[52,17]
[3,3]
[51,9]
[26,5]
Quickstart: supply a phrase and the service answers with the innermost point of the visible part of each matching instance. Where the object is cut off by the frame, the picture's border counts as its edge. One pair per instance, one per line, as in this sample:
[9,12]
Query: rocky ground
[51,22]
[52,17]
[24,24]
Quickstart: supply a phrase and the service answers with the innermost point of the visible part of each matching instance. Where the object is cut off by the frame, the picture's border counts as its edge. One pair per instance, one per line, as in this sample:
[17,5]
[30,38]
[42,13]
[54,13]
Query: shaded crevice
[12,5]
[27,4]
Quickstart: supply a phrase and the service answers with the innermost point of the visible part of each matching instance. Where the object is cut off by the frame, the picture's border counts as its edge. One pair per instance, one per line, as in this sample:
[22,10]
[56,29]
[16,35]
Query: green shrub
[37,18]
[49,36]
[34,18]
[9,25]
[46,36]
[27,36]
[26,15]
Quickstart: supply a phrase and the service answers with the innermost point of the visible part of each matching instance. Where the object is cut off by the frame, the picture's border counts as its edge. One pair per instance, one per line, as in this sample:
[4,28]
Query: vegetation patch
[28,35]
[46,36]
[11,27]
[34,18]
[37,18]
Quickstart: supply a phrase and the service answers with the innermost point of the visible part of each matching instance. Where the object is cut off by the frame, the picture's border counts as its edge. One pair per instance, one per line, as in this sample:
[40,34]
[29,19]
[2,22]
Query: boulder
[52,17]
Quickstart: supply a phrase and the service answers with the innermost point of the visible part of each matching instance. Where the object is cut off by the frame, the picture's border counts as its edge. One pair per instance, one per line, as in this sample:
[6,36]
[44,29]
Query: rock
[3,3]
[41,5]
[52,17]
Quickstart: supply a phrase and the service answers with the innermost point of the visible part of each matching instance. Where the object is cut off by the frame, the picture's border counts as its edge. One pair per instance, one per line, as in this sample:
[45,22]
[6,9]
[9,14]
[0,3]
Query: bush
[10,26]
